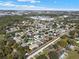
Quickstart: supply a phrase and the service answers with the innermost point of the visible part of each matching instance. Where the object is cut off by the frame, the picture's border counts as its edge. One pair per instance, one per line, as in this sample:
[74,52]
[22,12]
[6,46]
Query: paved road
[41,48]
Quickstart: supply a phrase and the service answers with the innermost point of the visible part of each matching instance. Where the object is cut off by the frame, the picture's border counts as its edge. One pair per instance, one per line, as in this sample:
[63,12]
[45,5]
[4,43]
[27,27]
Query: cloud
[7,4]
[13,5]
[24,7]
[31,7]
[31,1]
[35,1]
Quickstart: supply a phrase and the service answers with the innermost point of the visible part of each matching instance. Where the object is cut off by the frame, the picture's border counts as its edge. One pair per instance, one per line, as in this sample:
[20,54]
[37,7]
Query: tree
[8,50]
[53,55]
[9,56]
[63,43]
[21,52]
[11,42]
[64,37]
[2,56]
[55,46]
[15,45]
[3,42]
[15,55]
[72,33]
[71,42]
[41,57]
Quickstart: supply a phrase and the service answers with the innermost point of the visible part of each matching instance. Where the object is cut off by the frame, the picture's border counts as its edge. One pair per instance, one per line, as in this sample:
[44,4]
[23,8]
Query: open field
[73,55]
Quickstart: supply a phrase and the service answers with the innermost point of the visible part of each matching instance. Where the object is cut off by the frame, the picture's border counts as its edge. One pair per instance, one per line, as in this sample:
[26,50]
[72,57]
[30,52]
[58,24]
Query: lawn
[1,37]
[73,55]
[77,43]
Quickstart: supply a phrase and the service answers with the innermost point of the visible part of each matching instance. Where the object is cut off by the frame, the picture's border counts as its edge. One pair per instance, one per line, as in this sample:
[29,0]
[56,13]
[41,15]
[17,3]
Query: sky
[39,5]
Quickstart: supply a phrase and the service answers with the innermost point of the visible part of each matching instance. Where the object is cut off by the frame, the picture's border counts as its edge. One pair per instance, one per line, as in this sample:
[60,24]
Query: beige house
[32,46]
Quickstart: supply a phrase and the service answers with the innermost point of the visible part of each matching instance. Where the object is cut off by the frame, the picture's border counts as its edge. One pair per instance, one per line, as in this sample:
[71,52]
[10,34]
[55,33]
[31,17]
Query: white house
[63,56]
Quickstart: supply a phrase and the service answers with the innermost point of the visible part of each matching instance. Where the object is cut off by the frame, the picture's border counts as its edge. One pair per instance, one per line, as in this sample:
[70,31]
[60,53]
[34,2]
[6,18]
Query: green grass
[73,55]
[78,44]
[1,36]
